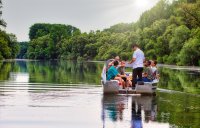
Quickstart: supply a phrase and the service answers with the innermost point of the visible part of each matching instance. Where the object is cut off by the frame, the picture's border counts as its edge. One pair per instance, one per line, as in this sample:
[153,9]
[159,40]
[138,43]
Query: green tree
[190,53]
[180,35]
[41,48]
[8,45]
[13,44]
[23,46]
[2,22]
[57,31]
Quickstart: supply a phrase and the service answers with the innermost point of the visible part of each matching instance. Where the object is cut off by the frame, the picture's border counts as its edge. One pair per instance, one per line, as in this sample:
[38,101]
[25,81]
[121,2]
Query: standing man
[137,60]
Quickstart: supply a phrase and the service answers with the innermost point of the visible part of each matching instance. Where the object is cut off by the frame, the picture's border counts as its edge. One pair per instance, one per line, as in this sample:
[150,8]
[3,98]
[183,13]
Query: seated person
[121,68]
[111,61]
[154,69]
[147,74]
[113,74]
[125,77]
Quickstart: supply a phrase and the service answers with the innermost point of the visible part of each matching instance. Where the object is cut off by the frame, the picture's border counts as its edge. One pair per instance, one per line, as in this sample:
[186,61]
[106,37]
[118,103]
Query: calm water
[60,94]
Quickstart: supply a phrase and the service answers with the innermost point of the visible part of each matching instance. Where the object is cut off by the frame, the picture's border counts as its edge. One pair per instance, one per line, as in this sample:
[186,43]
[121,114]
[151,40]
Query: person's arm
[118,75]
[133,60]
[144,60]
[111,63]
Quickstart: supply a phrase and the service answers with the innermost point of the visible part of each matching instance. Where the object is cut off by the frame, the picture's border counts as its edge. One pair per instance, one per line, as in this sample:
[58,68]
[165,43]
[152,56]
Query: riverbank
[189,68]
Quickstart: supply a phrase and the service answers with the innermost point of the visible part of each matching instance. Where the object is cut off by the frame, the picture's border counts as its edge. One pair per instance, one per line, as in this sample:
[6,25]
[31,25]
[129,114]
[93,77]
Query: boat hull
[112,87]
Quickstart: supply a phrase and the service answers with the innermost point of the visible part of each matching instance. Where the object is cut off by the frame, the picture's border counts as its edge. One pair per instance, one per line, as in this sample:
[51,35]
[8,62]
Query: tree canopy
[2,22]
[8,42]
[46,40]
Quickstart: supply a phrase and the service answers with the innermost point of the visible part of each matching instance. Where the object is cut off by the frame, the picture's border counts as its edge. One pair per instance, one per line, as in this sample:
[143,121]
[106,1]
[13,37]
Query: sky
[85,14]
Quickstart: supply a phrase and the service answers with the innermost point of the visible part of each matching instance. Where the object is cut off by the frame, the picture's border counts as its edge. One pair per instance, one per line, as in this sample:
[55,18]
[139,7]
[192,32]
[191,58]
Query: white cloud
[85,14]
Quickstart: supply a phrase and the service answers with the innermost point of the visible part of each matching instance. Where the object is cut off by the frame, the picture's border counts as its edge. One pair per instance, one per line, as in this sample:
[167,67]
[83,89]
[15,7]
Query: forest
[169,32]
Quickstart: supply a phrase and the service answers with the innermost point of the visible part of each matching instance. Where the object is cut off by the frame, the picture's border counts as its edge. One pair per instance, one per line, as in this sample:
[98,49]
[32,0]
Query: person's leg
[139,72]
[134,77]
[125,81]
[123,84]
[121,81]
[129,83]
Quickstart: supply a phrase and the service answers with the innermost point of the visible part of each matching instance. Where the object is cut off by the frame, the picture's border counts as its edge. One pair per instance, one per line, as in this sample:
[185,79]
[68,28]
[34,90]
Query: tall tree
[2,22]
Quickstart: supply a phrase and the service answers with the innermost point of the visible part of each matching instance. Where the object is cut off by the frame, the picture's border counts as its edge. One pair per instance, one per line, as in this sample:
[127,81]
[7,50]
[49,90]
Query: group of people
[143,70]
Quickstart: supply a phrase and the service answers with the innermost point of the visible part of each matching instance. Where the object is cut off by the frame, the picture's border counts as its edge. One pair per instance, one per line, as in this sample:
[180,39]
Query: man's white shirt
[139,56]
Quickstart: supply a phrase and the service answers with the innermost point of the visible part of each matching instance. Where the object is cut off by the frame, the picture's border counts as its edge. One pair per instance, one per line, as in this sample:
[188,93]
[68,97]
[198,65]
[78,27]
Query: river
[67,94]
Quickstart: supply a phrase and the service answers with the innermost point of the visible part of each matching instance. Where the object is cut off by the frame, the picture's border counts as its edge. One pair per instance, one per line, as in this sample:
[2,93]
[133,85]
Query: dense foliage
[169,32]
[8,46]
[2,22]
[23,50]
[47,40]
[8,42]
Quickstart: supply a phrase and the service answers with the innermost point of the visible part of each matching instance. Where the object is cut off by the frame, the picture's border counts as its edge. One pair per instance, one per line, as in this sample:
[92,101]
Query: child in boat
[109,63]
[121,69]
[154,69]
[147,74]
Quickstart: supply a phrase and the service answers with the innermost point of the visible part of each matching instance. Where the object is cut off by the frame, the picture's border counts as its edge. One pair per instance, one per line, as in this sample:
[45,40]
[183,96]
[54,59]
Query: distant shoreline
[191,68]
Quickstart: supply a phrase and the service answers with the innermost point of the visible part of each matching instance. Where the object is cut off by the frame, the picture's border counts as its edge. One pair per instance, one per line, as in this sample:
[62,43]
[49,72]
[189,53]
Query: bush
[1,57]
[80,58]
[160,60]
[190,54]
[171,59]
[126,55]
[165,58]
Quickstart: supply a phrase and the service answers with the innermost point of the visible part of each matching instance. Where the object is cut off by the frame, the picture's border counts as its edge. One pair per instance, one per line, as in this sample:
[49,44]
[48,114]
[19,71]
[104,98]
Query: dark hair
[149,62]
[134,45]
[155,62]
[116,63]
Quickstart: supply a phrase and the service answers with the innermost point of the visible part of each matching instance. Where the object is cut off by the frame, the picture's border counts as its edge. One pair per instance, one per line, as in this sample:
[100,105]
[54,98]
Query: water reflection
[180,80]
[38,87]
[140,110]
[144,113]
[60,72]
[114,107]
[88,73]
[64,72]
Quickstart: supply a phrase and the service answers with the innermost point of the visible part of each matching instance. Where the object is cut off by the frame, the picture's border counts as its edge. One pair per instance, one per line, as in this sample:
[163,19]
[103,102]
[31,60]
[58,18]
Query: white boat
[113,87]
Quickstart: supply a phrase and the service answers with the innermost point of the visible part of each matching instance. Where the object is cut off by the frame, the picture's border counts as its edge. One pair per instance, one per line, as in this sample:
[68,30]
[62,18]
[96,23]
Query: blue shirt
[112,73]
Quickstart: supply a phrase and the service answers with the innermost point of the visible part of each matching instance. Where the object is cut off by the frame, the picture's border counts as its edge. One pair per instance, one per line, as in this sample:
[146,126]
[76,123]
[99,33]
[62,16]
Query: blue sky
[84,14]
